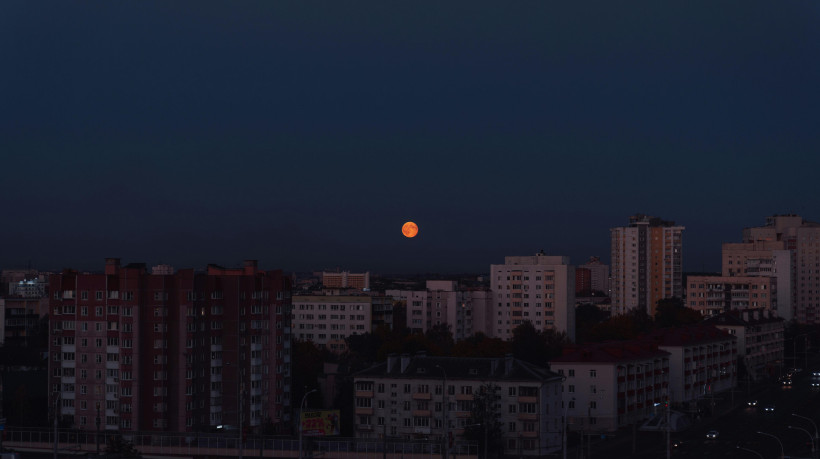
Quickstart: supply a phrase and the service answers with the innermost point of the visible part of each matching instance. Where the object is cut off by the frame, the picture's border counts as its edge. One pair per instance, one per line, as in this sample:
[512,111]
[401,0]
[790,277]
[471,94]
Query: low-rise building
[610,385]
[760,339]
[432,397]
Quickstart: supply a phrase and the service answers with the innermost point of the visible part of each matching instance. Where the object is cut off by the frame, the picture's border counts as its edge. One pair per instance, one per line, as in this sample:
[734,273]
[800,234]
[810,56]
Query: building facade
[611,385]
[170,352]
[346,280]
[539,289]
[802,239]
[702,361]
[327,320]
[762,259]
[647,263]
[760,340]
[417,396]
[712,295]
[444,302]
[592,276]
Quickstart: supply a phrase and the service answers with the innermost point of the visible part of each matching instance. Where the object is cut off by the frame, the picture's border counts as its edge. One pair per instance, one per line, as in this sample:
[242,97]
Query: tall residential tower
[647,263]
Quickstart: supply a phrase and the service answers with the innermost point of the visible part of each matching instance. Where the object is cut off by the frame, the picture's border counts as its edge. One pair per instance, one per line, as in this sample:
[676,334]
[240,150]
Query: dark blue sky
[304,134]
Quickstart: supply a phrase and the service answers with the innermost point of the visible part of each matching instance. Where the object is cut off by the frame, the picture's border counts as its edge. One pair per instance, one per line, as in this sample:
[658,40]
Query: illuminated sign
[320,423]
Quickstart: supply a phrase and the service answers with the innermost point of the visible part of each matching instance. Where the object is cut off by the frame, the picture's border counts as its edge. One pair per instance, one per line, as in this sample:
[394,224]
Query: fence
[192,444]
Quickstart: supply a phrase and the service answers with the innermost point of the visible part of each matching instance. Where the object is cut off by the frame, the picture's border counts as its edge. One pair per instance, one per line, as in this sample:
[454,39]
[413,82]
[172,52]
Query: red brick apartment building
[183,351]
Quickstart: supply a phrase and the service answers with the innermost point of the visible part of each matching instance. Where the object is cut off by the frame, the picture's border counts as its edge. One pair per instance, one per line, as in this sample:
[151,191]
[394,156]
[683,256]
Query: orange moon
[410,229]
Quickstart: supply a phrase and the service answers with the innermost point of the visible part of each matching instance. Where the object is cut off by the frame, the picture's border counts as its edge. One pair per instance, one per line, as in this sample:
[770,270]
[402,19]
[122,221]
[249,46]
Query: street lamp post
[813,454]
[446,421]
[98,429]
[564,441]
[751,451]
[299,419]
[816,437]
[782,451]
[56,415]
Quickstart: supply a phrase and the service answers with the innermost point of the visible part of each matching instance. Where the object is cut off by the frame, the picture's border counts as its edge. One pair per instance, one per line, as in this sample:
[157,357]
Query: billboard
[319,423]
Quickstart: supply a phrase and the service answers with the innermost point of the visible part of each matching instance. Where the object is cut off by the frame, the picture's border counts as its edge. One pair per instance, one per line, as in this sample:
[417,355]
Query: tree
[440,339]
[481,345]
[484,425]
[587,316]
[119,447]
[537,347]
[671,312]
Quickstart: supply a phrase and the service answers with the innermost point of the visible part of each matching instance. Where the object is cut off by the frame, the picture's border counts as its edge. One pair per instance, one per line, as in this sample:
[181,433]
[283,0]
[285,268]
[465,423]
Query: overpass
[177,445]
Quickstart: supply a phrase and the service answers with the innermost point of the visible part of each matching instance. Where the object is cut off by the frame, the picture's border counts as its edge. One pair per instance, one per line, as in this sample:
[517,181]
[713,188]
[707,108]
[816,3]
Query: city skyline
[305,136]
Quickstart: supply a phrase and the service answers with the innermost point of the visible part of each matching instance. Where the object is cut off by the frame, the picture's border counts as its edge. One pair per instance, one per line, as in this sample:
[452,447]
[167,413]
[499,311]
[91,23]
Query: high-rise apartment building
[801,239]
[444,302]
[767,259]
[647,263]
[179,351]
[346,279]
[539,289]
[592,276]
[712,295]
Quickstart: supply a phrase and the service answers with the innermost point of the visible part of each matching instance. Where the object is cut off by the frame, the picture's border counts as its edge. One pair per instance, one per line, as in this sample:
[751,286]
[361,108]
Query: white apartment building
[444,302]
[539,289]
[702,361]
[760,339]
[646,265]
[767,259]
[610,385]
[328,320]
[432,397]
[802,239]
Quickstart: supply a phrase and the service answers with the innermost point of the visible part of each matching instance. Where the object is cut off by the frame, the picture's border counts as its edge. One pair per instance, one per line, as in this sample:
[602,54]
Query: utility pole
[299,419]
[56,414]
[445,444]
[98,429]
[668,430]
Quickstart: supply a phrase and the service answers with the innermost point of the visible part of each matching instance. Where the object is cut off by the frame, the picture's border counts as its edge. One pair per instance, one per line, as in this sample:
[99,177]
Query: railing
[75,442]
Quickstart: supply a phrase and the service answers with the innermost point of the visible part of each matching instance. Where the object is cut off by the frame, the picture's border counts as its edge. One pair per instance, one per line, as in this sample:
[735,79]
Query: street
[737,425]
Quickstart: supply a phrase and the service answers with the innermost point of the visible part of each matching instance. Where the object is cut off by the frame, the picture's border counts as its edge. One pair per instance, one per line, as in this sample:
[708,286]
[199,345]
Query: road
[737,425]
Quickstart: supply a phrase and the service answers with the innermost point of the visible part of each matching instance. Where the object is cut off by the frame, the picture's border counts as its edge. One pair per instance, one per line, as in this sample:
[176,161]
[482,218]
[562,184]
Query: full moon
[410,229]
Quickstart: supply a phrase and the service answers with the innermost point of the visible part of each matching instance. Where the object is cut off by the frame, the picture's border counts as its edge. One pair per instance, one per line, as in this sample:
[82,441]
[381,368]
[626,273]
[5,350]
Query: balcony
[527,399]
[422,396]
[364,393]
[364,410]
[364,427]
[464,397]
[421,413]
[527,416]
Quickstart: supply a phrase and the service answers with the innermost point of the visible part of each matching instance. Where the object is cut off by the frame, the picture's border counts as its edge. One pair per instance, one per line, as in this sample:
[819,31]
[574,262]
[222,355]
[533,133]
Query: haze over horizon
[304,135]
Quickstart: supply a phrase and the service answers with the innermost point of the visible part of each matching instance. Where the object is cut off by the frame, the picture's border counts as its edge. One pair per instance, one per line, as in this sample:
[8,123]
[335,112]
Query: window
[593,373]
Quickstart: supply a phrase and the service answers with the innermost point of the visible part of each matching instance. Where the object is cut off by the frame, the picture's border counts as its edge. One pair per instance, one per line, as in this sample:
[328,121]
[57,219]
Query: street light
[98,429]
[564,441]
[301,410]
[782,451]
[446,423]
[751,451]
[816,437]
[810,438]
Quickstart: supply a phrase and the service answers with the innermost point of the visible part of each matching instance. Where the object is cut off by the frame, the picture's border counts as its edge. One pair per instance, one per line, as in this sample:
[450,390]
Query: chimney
[391,362]
[112,266]
[249,267]
[405,362]
[508,364]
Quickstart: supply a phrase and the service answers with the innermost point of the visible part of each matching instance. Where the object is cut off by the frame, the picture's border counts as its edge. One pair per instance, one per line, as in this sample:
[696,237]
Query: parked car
[712,434]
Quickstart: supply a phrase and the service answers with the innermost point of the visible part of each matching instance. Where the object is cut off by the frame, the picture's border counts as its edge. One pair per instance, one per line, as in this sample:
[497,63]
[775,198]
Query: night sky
[304,134]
